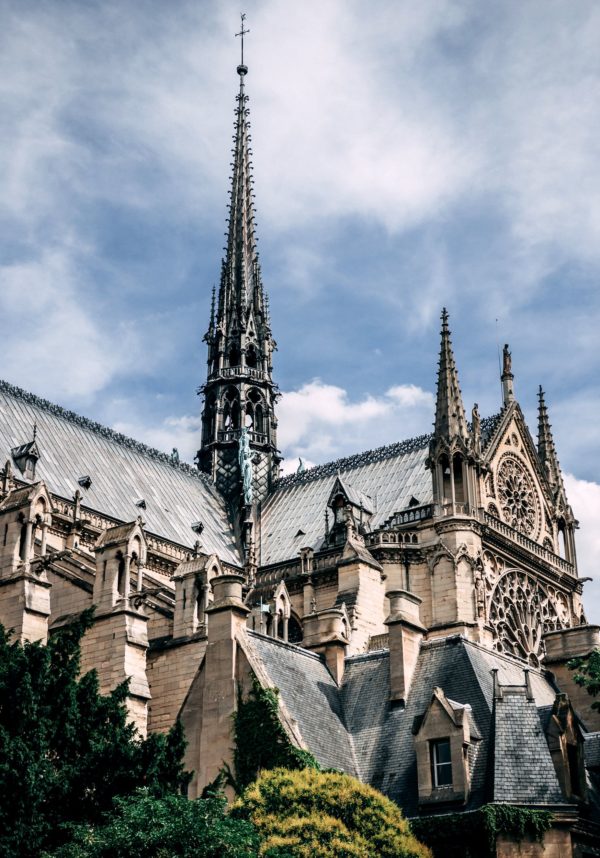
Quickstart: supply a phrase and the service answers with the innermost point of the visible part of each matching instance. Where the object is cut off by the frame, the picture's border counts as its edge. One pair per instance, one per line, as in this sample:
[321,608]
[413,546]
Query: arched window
[294,631]
[249,419]
[121,575]
[562,539]
[234,355]
[23,542]
[446,478]
[251,356]
[231,409]
[459,486]
[209,418]
[259,425]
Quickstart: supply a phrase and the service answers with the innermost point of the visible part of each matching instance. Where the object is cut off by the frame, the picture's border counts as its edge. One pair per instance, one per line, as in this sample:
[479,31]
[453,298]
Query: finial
[445,318]
[34,431]
[507,377]
[242,69]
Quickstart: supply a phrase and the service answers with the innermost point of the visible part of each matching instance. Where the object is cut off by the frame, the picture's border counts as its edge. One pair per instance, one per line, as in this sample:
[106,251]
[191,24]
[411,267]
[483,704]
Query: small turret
[452,451]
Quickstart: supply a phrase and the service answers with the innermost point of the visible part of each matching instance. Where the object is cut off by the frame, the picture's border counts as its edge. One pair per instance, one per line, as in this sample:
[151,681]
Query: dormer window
[441,763]
[25,458]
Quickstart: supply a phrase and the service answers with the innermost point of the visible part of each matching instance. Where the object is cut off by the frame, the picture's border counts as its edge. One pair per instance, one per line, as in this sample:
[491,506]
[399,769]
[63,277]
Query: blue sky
[406,156]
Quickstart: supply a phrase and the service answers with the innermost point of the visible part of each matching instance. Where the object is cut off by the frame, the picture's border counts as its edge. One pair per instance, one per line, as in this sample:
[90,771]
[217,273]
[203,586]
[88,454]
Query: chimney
[226,620]
[327,633]
[405,636]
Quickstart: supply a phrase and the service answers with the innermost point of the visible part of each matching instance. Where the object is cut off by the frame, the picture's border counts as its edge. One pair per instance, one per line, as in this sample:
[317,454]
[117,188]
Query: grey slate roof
[296,504]
[312,698]
[523,769]
[385,479]
[122,471]
[379,742]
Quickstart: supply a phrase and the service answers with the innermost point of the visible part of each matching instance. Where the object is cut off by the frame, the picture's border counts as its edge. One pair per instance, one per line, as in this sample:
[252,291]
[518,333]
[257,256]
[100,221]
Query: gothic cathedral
[415,605]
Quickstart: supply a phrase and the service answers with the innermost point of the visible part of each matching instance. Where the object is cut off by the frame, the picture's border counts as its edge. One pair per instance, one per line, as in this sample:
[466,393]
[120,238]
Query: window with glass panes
[441,763]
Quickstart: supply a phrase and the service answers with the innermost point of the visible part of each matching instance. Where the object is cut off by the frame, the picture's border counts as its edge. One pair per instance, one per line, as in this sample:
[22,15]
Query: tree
[588,674]
[299,814]
[142,826]
[65,750]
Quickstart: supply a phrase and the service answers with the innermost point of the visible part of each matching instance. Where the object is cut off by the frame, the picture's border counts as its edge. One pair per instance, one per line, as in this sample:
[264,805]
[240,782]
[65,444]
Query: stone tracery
[517,496]
[520,612]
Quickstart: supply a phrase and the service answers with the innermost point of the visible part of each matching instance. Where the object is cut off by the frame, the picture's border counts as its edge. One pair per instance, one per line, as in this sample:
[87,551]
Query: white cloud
[320,422]
[54,344]
[584,497]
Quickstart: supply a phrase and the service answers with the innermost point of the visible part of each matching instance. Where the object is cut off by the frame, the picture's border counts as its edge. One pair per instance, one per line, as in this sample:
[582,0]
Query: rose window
[520,612]
[517,496]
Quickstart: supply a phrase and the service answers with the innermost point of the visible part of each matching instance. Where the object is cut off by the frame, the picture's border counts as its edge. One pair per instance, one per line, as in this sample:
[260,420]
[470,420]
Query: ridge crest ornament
[517,496]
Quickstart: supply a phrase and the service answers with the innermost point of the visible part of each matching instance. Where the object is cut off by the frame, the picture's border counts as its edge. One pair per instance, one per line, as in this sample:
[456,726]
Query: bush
[143,826]
[300,814]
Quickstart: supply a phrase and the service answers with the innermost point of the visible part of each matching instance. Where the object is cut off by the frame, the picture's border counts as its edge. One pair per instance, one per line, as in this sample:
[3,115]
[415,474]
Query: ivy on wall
[473,834]
[260,739]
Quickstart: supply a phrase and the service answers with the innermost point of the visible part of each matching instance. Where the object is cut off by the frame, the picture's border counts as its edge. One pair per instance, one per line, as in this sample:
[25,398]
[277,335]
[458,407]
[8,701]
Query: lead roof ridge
[285,644]
[368,457]
[101,430]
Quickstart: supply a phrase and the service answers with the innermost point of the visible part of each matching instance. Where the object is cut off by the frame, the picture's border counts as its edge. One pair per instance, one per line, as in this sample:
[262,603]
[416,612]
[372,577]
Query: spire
[546,448]
[239,393]
[450,420]
[240,289]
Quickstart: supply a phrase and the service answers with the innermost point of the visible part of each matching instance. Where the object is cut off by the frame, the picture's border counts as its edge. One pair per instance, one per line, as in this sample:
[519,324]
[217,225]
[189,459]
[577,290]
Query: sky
[407,156]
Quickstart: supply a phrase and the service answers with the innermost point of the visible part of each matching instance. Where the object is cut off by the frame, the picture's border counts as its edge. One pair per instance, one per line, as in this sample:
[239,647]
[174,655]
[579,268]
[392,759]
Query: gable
[515,489]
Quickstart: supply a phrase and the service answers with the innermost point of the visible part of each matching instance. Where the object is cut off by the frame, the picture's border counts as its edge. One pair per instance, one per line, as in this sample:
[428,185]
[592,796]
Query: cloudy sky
[407,156]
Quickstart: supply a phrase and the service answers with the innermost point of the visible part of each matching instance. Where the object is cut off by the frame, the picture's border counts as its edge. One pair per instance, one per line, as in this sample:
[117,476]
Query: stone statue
[476,422]
[506,361]
[301,466]
[245,460]
[175,456]
[479,594]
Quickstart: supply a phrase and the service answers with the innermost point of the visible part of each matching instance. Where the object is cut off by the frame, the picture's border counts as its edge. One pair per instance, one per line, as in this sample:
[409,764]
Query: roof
[384,479]
[122,471]
[523,769]
[355,727]
[311,697]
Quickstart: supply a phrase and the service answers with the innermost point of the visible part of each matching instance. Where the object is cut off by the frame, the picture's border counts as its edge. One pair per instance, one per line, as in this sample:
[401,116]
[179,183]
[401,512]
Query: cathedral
[415,605]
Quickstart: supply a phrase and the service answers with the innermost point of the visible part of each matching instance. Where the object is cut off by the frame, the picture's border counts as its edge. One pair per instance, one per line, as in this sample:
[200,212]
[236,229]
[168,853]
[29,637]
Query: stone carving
[520,612]
[506,360]
[517,496]
[245,460]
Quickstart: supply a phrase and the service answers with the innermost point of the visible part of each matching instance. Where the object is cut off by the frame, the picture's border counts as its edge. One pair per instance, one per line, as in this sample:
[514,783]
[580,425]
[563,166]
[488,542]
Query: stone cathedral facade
[415,605]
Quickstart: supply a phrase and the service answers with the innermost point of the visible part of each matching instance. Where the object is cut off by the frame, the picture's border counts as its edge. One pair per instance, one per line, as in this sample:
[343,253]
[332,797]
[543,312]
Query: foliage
[473,834]
[65,750]
[143,826]
[260,739]
[588,674]
[306,812]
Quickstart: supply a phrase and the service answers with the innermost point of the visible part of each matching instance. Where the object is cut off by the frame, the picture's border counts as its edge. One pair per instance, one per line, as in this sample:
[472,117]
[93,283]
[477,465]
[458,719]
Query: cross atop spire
[242,69]
[450,419]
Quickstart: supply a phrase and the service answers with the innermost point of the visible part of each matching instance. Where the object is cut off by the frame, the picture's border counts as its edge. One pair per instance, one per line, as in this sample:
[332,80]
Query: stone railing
[237,371]
[378,642]
[234,434]
[387,537]
[407,516]
[531,546]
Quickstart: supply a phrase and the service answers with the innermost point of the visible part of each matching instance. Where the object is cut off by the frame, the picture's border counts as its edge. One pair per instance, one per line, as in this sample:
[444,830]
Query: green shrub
[300,814]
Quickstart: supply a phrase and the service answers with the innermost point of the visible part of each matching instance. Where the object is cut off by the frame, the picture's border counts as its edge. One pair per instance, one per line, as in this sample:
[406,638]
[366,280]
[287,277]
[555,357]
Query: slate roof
[388,476]
[312,698]
[523,769]
[122,472]
[379,741]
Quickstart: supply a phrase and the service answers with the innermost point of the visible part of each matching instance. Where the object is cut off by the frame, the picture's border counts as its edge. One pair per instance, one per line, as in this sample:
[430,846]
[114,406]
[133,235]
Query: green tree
[143,826]
[588,674]
[299,814]
[65,750]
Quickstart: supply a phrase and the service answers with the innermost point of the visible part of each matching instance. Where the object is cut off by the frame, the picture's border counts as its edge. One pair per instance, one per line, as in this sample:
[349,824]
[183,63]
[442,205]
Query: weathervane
[242,33]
